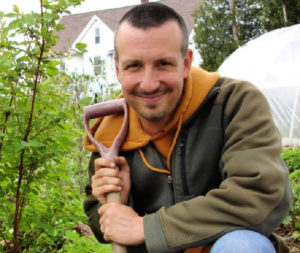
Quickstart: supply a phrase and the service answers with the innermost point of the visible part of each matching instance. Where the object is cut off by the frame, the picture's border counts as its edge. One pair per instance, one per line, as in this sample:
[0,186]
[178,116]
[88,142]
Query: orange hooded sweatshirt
[105,129]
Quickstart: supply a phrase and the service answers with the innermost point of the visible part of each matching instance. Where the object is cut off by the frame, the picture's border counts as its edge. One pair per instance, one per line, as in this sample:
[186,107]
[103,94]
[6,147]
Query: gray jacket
[226,174]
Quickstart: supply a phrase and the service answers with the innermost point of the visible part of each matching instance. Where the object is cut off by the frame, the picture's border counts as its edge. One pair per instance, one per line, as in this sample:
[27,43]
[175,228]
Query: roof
[75,23]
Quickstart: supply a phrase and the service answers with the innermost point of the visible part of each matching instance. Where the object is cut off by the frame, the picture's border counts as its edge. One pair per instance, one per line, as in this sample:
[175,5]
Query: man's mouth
[152,98]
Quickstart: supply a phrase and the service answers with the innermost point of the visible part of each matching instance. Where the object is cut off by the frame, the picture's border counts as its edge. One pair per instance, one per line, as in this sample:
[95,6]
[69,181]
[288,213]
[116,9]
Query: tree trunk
[234,23]
[285,16]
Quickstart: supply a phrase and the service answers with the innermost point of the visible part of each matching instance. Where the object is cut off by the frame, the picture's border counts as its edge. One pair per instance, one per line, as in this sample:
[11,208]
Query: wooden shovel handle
[99,110]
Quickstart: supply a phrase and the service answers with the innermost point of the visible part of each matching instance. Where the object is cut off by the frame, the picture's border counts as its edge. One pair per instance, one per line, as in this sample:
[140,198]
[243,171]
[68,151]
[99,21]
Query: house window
[97,35]
[62,66]
[110,61]
[98,65]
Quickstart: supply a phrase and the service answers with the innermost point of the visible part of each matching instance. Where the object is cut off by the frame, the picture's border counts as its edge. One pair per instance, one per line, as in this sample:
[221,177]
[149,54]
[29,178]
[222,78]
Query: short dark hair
[151,15]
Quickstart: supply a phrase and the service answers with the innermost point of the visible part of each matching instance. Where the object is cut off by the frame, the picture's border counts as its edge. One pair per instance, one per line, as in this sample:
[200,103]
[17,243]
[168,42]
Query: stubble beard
[153,113]
[153,116]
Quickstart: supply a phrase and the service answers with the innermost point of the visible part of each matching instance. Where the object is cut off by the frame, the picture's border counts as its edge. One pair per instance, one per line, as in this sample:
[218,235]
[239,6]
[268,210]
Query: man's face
[152,69]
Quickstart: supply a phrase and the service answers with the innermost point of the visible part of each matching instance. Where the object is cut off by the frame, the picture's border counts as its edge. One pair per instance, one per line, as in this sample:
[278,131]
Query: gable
[76,23]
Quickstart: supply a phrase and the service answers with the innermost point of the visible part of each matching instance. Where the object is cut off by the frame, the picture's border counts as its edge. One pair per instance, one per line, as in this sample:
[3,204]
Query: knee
[244,241]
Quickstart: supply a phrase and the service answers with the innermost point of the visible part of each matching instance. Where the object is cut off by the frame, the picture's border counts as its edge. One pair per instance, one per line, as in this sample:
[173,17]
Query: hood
[105,129]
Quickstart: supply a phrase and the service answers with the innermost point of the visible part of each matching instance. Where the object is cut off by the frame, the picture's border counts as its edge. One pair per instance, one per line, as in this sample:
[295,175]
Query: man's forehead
[129,60]
[169,33]
[126,26]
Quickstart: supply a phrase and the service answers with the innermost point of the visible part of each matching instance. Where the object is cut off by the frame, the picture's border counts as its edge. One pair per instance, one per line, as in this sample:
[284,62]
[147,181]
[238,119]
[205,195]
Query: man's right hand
[108,179]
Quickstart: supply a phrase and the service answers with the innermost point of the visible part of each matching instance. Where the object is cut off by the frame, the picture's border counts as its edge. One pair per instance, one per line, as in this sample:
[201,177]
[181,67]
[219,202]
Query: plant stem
[7,114]
[19,202]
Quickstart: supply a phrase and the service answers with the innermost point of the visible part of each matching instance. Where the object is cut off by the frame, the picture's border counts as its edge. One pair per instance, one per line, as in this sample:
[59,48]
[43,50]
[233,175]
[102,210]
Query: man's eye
[165,63]
[132,66]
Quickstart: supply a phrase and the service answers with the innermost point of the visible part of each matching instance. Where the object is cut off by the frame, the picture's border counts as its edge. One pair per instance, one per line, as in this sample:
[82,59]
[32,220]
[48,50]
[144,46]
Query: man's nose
[149,81]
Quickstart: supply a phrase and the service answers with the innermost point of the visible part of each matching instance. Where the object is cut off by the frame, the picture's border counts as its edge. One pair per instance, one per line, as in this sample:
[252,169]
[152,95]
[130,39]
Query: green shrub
[291,158]
[77,244]
[292,220]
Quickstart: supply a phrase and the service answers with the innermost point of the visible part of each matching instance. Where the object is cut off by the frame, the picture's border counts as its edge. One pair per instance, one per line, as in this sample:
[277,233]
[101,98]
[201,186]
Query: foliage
[220,29]
[42,160]
[213,38]
[291,158]
[40,124]
[292,221]
[77,244]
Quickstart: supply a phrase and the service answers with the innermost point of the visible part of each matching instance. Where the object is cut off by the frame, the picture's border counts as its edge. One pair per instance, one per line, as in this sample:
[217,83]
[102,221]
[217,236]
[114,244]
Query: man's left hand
[121,224]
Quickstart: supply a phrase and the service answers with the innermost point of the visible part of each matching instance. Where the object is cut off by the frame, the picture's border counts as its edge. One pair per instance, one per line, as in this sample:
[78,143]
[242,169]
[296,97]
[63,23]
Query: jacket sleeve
[91,204]
[255,193]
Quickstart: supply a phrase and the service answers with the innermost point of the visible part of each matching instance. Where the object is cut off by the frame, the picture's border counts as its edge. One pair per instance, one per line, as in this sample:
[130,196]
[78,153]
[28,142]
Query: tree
[35,134]
[213,38]
[42,161]
[222,26]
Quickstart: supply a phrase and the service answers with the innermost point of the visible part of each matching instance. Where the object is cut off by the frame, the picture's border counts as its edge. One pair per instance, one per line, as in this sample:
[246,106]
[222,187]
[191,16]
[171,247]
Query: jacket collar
[197,86]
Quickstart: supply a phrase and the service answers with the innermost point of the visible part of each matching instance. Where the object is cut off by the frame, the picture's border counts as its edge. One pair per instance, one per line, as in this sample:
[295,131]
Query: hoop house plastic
[272,63]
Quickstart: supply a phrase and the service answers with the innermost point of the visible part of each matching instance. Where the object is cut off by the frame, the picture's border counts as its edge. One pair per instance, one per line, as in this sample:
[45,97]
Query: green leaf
[16,9]
[60,27]
[19,146]
[52,71]
[296,235]
[287,220]
[50,16]
[51,68]
[81,46]
[85,101]
[11,15]
[53,63]
[29,19]
[5,64]
[297,224]
[35,143]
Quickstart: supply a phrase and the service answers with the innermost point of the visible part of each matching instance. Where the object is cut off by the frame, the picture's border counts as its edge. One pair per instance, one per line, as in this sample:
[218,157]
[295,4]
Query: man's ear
[187,63]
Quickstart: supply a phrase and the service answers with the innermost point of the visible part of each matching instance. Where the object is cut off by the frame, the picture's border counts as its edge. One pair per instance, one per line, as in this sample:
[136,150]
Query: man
[200,166]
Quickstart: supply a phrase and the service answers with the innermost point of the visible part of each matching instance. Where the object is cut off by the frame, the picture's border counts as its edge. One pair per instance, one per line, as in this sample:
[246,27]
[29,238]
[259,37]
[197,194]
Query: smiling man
[152,73]
[200,168]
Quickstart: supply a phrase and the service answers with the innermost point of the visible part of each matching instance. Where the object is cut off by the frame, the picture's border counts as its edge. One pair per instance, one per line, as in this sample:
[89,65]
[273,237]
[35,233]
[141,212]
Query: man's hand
[108,179]
[121,224]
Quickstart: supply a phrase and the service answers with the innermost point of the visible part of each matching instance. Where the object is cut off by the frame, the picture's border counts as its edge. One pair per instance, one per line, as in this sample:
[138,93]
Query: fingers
[108,179]
[121,161]
[124,174]
[105,236]
[103,163]
[104,181]
[104,223]
[121,224]
[108,217]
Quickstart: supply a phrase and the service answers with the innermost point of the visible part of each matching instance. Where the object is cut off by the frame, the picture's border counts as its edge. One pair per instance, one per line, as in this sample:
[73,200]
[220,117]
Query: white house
[96,29]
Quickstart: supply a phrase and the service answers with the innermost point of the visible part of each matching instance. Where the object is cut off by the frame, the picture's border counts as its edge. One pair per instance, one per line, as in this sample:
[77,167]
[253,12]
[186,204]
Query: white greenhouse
[272,63]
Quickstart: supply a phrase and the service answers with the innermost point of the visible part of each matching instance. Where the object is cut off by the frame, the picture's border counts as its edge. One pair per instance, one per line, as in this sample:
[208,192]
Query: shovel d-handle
[104,109]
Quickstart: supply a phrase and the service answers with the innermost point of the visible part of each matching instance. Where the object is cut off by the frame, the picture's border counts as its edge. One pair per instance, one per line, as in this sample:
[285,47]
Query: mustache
[141,92]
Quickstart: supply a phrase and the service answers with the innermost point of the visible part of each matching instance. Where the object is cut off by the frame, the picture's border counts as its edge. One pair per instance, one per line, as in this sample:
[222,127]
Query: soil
[293,245]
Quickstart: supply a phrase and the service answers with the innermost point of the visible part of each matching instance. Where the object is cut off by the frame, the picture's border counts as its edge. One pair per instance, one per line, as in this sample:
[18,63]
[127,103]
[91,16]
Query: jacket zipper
[170,184]
[181,145]
[181,153]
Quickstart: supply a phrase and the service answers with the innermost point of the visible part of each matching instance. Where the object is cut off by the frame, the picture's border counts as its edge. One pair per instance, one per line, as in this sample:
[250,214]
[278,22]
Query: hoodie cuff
[154,235]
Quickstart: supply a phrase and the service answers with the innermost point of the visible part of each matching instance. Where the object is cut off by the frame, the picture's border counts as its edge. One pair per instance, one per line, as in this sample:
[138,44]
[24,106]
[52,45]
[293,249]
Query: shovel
[104,109]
